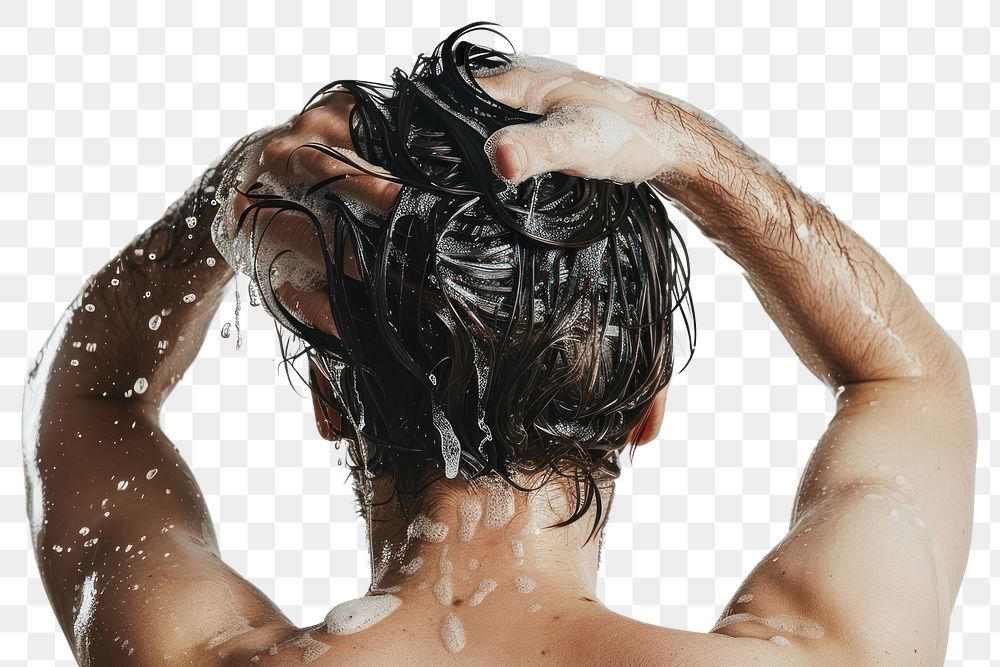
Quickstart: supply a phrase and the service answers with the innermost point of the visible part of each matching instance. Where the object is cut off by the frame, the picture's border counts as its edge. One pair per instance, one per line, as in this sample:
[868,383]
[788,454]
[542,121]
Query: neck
[485,539]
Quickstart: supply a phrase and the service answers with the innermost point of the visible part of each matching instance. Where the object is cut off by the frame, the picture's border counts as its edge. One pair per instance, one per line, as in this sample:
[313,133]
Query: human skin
[879,536]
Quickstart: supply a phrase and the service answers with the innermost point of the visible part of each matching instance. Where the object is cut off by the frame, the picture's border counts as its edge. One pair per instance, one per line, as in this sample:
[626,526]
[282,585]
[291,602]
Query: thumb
[579,139]
[518,152]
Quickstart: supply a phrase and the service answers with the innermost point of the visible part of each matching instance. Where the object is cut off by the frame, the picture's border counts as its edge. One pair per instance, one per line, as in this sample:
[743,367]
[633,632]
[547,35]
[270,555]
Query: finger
[579,139]
[329,427]
[310,308]
[276,232]
[313,161]
[376,193]
[526,81]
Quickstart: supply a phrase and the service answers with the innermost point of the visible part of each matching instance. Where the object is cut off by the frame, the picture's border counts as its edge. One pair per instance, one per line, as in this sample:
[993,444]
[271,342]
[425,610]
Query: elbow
[949,363]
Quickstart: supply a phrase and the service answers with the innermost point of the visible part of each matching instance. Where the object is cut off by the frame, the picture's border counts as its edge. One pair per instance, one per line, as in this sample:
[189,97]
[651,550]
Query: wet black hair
[509,329]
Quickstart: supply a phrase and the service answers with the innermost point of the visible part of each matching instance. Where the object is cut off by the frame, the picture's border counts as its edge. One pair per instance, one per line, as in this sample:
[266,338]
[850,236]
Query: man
[498,569]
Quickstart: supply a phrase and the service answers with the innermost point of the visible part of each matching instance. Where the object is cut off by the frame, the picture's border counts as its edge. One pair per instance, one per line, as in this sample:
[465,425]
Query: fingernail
[520,160]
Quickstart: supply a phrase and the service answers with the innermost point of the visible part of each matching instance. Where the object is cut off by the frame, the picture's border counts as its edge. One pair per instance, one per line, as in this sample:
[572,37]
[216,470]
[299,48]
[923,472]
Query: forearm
[845,311]
[138,322]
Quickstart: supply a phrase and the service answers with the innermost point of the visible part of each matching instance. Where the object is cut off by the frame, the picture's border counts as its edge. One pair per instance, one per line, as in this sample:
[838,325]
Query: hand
[291,158]
[593,127]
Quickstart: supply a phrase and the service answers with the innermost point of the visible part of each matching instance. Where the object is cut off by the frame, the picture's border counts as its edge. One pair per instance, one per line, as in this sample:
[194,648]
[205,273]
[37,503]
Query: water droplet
[225,330]
[163,344]
[433,379]
[152,256]
[152,473]
[524,584]
[74,362]
[210,261]
[191,221]
[154,322]
[89,308]
[189,298]
[91,542]
[141,385]
[128,394]
[166,311]
[58,549]
[115,282]
[76,344]
[84,530]
[122,485]
[91,347]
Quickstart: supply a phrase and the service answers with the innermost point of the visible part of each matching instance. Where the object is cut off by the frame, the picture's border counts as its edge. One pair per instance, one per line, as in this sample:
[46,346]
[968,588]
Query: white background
[883,110]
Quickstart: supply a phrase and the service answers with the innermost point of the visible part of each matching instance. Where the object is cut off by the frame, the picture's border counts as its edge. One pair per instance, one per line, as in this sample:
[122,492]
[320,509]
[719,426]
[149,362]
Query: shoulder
[622,640]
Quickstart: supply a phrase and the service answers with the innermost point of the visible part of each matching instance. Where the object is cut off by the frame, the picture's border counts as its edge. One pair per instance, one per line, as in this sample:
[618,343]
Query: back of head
[517,330]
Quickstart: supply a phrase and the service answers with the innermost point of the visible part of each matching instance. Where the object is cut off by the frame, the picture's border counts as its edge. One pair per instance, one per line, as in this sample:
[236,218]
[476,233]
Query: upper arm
[880,533]
[126,547]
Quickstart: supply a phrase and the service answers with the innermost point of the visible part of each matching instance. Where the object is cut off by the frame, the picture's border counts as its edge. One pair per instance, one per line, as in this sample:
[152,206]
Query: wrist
[703,160]
[722,182]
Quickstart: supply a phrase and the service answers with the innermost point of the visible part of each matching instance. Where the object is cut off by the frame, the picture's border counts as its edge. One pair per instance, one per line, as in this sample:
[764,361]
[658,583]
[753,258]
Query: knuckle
[240,204]
[275,151]
[387,192]
[659,108]
[309,120]
[309,160]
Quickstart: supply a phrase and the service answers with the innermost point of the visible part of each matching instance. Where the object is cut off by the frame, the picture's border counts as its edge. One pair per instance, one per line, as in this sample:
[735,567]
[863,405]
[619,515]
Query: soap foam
[793,625]
[412,566]
[499,501]
[517,546]
[469,513]
[234,627]
[451,448]
[314,649]
[360,614]
[619,90]
[443,563]
[486,586]
[524,584]
[779,640]
[422,528]
[443,590]
[452,633]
